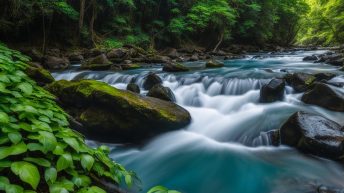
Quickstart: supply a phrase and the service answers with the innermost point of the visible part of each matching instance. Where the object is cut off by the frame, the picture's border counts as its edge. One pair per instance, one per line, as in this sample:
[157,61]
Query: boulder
[332,59]
[326,96]
[130,66]
[300,81]
[112,115]
[214,64]
[151,80]
[76,58]
[40,75]
[100,62]
[175,67]
[273,91]
[194,57]
[161,92]
[171,52]
[310,58]
[55,63]
[324,76]
[33,53]
[313,134]
[133,88]
[116,67]
[117,53]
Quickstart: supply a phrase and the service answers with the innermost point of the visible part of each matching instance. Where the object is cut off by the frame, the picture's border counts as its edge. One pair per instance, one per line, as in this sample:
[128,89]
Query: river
[226,149]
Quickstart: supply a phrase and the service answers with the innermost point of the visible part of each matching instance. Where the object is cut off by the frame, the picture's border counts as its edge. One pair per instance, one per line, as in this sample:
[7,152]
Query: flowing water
[226,148]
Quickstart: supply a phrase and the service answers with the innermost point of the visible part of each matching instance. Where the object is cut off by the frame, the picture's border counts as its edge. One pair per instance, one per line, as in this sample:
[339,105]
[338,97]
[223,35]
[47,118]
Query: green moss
[310,80]
[40,75]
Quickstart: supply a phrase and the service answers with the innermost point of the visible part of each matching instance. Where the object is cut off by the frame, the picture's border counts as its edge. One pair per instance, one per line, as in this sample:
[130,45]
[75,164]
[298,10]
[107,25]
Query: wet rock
[300,81]
[116,67]
[325,189]
[93,53]
[313,134]
[151,80]
[130,66]
[194,57]
[326,96]
[310,58]
[133,88]
[76,58]
[175,67]
[40,75]
[117,53]
[274,137]
[55,63]
[332,59]
[161,92]
[273,91]
[324,76]
[100,62]
[214,64]
[112,115]
[171,52]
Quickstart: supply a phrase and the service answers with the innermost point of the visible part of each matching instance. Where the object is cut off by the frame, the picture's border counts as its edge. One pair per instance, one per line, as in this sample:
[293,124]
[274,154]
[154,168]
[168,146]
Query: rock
[326,96]
[325,189]
[93,53]
[130,66]
[273,91]
[161,92]
[53,52]
[133,88]
[274,137]
[157,59]
[336,62]
[40,75]
[151,80]
[55,63]
[116,67]
[171,52]
[97,63]
[310,58]
[214,64]
[313,134]
[175,67]
[112,115]
[332,59]
[194,57]
[324,76]
[33,53]
[117,53]
[76,58]
[300,81]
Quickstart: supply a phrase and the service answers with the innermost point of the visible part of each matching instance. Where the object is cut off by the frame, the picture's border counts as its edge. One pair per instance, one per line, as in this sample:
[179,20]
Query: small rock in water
[175,67]
[274,91]
[151,80]
[310,58]
[214,64]
[133,88]
[313,134]
[325,96]
[161,92]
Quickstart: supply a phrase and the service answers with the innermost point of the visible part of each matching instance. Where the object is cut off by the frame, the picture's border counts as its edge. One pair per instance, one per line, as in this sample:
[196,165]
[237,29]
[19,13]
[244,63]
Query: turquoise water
[226,149]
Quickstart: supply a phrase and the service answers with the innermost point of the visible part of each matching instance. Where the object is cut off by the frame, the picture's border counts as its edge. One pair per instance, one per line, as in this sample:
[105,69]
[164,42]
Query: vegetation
[156,23]
[38,152]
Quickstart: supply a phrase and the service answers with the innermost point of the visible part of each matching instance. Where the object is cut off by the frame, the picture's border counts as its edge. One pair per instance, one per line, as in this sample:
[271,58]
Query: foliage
[38,152]
[161,189]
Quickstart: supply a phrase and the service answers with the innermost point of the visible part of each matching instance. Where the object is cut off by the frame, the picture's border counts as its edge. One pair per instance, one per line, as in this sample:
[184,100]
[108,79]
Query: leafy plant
[38,151]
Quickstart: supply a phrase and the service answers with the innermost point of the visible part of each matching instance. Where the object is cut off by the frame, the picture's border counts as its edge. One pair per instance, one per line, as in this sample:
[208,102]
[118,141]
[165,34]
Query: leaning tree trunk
[219,43]
[93,18]
[81,17]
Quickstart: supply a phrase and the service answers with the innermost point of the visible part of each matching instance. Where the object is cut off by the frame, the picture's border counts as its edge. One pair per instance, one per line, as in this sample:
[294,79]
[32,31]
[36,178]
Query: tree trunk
[93,18]
[220,41]
[81,17]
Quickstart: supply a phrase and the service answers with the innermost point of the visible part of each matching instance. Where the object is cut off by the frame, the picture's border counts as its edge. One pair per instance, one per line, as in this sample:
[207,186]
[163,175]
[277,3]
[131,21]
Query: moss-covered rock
[214,64]
[130,66]
[175,67]
[100,62]
[114,115]
[40,75]
[300,81]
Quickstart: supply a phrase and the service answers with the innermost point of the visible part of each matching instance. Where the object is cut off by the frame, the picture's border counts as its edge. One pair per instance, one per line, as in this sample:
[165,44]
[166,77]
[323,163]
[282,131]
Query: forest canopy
[161,23]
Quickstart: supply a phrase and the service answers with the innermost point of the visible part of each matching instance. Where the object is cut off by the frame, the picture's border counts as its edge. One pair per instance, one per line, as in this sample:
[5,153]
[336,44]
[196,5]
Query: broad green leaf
[12,150]
[4,118]
[14,189]
[81,181]
[3,182]
[73,143]
[15,137]
[65,161]
[39,161]
[5,163]
[27,172]
[87,161]
[50,175]
[128,180]
[25,88]
[48,140]
[57,188]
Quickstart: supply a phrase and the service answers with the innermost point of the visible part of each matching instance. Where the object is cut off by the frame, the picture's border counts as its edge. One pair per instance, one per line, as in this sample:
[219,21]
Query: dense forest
[162,23]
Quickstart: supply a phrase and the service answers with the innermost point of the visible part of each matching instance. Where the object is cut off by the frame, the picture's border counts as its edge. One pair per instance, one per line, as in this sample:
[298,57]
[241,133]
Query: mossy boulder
[100,62]
[112,115]
[214,64]
[130,66]
[300,81]
[175,67]
[133,88]
[40,75]
[161,92]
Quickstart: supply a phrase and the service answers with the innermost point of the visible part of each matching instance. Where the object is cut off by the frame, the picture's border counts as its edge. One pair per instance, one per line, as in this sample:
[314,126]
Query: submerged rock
[161,92]
[300,81]
[310,58]
[175,67]
[151,80]
[313,134]
[133,88]
[274,91]
[214,64]
[99,62]
[40,75]
[325,96]
[112,115]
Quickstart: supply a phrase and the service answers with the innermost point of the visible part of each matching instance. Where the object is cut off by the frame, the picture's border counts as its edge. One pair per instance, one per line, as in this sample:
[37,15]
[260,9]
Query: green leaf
[48,140]
[87,161]
[57,188]
[3,182]
[5,163]
[27,172]
[14,189]
[81,181]
[4,118]
[50,175]
[15,137]
[73,143]
[12,150]
[65,161]
[25,88]
[39,161]
[128,180]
